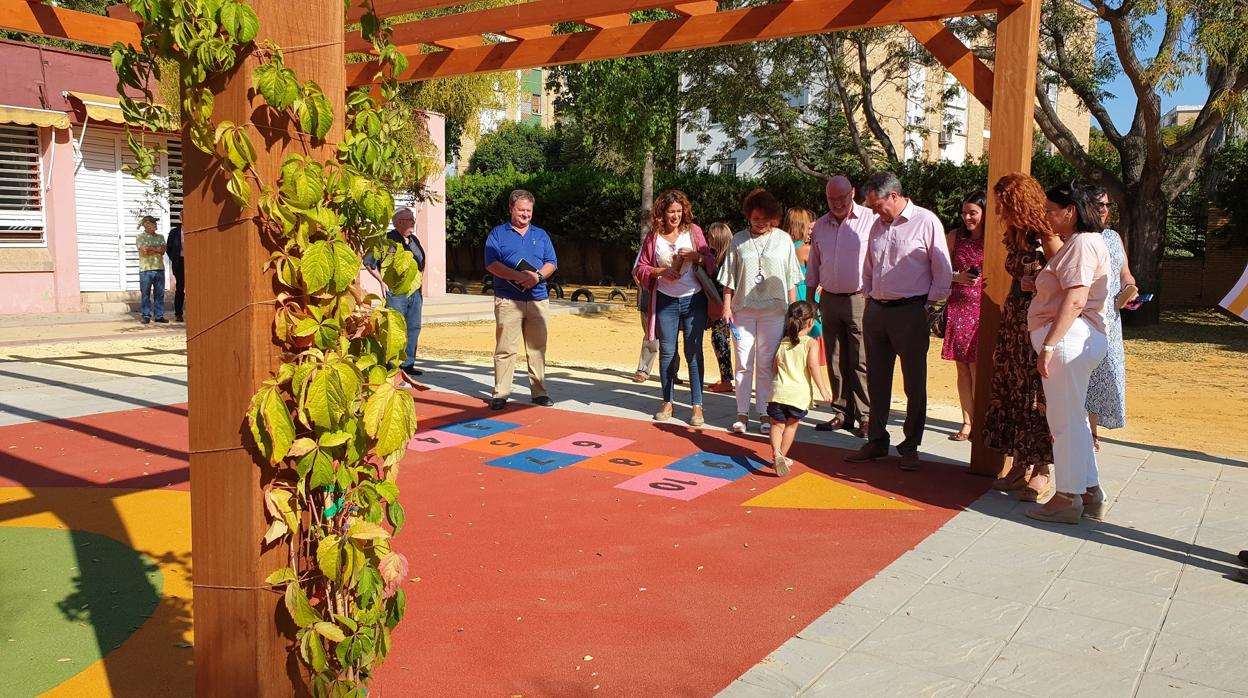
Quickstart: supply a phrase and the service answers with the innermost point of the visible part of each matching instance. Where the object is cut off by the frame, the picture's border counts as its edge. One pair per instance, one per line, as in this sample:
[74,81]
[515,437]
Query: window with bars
[535,104]
[21,187]
[175,181]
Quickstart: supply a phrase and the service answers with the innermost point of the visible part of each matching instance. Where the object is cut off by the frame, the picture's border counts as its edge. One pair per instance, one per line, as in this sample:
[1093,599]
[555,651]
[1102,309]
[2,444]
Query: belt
[843,295]
[893,302]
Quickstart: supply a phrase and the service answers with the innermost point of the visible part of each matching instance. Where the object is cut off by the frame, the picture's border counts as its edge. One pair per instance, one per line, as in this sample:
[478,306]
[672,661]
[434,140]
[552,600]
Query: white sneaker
[782,465]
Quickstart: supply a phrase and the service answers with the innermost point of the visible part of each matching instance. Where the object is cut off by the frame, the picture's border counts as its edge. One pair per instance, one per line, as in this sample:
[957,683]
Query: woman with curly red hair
[1015,422]
[666,268]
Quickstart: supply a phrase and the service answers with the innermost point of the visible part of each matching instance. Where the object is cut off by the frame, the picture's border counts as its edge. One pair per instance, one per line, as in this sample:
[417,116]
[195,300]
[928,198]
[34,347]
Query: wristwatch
[540,279]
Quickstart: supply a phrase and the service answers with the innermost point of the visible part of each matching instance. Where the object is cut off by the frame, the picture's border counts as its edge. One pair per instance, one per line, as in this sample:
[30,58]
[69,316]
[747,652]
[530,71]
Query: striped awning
[100,107]
[27,116]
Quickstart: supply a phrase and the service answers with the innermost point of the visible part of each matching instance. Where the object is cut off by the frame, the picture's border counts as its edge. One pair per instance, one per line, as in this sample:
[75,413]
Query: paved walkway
[990,605]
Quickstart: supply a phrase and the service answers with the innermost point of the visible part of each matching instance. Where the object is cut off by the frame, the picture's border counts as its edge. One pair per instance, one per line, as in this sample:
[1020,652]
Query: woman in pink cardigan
[673,256]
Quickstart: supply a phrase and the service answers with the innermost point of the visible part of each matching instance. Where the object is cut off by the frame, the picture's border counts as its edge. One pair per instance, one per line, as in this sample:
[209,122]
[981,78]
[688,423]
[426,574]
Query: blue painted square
[718,465]
[478,428]
[536,460]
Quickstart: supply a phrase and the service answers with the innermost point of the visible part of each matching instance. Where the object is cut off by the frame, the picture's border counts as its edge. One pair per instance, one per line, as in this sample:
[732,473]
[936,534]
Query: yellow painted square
[626,462]
[505,443]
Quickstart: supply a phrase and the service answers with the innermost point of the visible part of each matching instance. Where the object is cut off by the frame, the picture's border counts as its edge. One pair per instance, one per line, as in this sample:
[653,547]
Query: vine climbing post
[240,649]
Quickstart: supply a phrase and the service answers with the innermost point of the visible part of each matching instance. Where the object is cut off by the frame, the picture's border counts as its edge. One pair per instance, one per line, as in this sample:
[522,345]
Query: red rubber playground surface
[555,553]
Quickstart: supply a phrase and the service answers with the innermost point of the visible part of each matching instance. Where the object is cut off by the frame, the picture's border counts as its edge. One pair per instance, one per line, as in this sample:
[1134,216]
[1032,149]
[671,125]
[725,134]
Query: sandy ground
[1187,379]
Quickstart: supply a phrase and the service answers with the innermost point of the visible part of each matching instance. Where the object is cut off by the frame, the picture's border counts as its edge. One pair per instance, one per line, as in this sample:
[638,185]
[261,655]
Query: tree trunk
[1143,228]
[647,192]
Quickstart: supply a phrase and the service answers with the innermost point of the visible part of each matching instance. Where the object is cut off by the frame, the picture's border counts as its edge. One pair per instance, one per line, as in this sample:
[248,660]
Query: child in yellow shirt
[798,373]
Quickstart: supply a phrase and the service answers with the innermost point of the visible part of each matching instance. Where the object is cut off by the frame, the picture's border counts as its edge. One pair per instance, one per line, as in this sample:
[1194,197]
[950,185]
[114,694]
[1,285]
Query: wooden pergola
[239,648]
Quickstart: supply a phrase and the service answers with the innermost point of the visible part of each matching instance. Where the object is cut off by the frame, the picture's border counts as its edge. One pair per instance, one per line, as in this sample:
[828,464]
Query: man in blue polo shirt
[521,258]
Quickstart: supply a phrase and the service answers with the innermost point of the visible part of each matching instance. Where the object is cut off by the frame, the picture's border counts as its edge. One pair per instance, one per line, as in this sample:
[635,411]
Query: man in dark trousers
[173,248]
[410,306]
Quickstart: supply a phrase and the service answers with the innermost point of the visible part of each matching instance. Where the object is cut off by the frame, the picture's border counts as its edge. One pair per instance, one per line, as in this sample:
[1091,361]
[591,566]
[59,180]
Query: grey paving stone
[966,611]
[793,665]
[1159,686]
[741,689]
[931,647]
[1162,492]
[843,626]
[983,691]
[1146,576]
[1234,473]
[948,542]
[916,565]
[1013,582]
[858,674]
[1164,462]
[1124,646]
[1200,660]
[1211,587]
[885,594]
[1208,622]
[1043,673]
[1104,602]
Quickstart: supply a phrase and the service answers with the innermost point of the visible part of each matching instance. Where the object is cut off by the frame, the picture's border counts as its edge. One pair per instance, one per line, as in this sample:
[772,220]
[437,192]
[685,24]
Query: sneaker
[146,320]
[162,321]
[868,452]
[412,371]
[782,465]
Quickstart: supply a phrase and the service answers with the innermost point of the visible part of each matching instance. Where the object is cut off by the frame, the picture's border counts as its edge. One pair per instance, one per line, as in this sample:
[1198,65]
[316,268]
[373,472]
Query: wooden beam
[242,635]
[33,17]
[694,9]
[522,33]
[1013,100]
[394,8]
[606,21]
[460,42]
[775,21]
[504,20]
[957,58]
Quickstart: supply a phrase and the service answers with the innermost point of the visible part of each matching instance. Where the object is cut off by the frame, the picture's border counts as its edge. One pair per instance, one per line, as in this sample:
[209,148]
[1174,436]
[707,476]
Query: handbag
[937,321]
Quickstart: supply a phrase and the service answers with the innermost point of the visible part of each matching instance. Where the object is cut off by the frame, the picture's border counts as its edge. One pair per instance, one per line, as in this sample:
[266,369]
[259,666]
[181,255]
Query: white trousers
[760,334]
[649,354]
[1066,392]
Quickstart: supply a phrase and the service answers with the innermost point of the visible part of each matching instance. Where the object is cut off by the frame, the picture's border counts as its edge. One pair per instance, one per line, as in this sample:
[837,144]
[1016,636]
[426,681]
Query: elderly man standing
[410,306]
[151,246]
[907,268]
[838,247]
[521,258]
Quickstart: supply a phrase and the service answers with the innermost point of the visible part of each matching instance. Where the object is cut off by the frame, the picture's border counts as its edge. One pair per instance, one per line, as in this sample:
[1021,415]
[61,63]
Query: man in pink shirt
[838,247]
[906,269]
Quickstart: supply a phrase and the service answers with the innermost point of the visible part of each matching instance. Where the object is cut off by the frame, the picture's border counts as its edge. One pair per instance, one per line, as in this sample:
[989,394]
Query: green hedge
[585,202]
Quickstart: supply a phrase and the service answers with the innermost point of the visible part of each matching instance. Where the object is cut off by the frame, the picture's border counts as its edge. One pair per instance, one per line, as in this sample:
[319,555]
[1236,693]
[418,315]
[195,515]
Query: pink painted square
[435,439]
[588,445]
[672,483]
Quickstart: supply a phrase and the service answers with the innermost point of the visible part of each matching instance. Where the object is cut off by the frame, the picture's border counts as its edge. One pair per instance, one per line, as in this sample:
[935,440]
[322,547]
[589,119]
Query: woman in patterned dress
[966,248]
[1015,422]
[1107,391]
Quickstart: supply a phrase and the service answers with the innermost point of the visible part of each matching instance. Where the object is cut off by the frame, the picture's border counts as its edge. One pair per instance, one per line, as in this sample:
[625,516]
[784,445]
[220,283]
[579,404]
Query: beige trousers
[514,319]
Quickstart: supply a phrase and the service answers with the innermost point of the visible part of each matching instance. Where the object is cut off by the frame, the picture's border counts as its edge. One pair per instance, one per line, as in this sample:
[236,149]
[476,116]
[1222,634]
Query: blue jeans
[152,289]
[409,307]
[674,317]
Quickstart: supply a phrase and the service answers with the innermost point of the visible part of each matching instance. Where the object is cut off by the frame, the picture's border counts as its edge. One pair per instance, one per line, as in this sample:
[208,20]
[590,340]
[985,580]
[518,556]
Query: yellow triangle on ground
[810,491]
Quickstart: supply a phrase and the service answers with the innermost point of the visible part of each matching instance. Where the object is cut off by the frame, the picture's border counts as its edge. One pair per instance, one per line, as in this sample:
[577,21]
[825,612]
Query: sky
[1121,108]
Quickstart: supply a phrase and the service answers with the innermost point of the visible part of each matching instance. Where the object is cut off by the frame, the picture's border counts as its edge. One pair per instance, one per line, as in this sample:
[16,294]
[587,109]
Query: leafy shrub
[515,145]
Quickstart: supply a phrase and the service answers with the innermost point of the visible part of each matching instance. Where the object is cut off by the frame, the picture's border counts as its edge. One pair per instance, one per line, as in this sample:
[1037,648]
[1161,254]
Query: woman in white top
[667,268]
[760,275]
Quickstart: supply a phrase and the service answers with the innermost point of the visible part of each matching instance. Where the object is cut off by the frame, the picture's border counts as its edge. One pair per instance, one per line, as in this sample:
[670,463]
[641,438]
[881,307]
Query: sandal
[641,377]
[739,426]
[1015,479]
[1034,494]
[721,387]
[963,434]
[664,413]
[782,465]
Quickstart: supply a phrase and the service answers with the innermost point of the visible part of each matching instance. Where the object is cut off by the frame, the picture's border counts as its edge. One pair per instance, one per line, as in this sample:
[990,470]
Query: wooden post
[240,650]
[1013,111]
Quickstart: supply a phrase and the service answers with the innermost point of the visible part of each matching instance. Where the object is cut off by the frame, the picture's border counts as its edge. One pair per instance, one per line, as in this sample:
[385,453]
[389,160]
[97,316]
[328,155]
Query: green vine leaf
[303,186]
[318,266]
[276,530]
[363,530]
[327,401]
[300,610]
[271,427]
[388,491]
[329,557]
[397,516]
[281,576]
[240,21]
[329,631]
[390,418]
[315,112]
[313,651]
